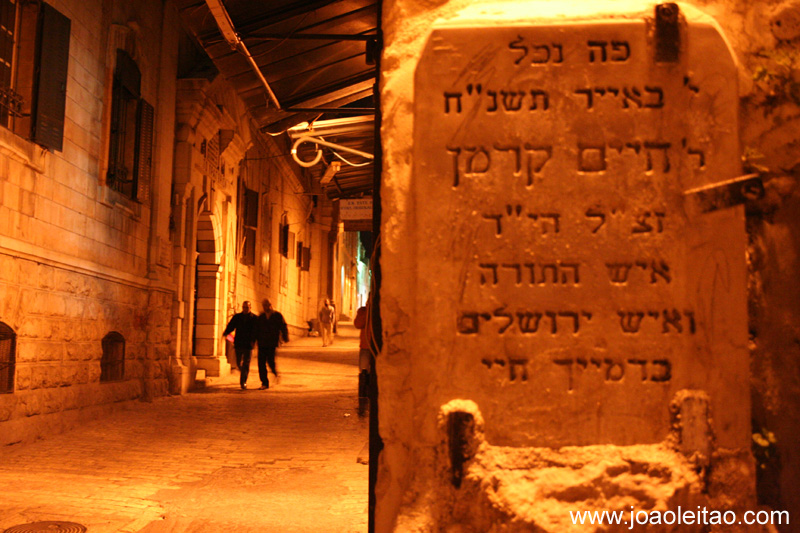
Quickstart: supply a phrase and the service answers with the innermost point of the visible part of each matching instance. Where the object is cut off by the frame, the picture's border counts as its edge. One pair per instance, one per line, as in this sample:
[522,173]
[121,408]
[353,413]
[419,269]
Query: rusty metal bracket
[668,33]
[727,193]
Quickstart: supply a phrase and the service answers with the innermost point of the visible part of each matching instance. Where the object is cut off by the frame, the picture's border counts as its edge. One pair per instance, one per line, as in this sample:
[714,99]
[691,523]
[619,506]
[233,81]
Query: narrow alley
[220,459]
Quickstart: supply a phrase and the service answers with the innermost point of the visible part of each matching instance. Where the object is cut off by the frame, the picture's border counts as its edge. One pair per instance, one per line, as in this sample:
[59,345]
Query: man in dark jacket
[270,328]
[244,324]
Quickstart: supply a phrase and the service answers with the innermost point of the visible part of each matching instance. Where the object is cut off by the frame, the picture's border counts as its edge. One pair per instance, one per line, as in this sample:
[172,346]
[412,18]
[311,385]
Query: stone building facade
[137,213]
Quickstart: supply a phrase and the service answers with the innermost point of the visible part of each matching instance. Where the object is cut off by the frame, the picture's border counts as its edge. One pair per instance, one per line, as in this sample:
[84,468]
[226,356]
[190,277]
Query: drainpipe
[228,31]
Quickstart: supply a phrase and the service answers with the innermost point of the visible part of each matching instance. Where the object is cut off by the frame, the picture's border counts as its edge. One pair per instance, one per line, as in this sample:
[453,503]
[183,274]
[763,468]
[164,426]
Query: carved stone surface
[566,282]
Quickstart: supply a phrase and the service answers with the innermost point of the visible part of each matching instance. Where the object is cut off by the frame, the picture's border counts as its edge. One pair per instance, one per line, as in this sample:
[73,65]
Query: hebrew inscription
[560,269]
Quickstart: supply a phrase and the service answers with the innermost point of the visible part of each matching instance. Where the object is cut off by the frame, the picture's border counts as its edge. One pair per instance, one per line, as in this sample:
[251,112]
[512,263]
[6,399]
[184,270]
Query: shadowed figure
[244,324]
[270,329]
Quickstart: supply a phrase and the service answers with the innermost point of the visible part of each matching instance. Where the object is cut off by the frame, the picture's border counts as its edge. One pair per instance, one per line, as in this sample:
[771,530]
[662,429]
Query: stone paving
[220,459]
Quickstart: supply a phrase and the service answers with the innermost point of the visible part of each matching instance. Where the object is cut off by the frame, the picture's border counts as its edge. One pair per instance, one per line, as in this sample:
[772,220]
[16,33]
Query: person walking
[270,329]
[326,323]
[244,324]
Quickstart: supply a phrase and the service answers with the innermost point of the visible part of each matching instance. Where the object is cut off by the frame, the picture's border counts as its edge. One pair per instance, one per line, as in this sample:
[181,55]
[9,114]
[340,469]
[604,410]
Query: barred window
[8,348]
[112,365]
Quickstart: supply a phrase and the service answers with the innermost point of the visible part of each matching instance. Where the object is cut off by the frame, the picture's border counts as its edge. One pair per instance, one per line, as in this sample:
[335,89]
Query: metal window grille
[112,364]
[8,348]
[10,100]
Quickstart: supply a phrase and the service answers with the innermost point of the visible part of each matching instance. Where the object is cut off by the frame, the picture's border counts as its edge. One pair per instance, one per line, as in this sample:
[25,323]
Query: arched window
[112,365]
[8,349]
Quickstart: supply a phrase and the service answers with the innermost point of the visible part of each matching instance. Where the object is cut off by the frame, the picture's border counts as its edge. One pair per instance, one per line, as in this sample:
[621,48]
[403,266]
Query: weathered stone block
[576,269]
[9,269]
[45,277]
[49,351]
[23,377]
[8,403]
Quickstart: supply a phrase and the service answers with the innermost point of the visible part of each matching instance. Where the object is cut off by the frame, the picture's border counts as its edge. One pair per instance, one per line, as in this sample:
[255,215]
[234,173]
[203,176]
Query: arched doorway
[206,301]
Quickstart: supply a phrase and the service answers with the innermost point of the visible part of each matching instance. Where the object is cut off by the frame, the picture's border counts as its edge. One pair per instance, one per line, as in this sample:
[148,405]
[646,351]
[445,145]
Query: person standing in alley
[364,355]
[244,324]
[326,322]
[270,329]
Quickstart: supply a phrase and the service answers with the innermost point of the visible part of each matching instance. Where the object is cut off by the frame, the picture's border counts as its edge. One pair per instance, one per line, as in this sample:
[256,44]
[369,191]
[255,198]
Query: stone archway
[207,288]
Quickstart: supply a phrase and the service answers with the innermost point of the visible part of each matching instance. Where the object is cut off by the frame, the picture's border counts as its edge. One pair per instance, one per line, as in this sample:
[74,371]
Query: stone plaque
[567,282]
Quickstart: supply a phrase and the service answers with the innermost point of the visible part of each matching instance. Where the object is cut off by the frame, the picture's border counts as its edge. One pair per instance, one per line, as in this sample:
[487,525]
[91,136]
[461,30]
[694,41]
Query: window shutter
[250,208]
[51,79]
[143,166]
[305,262]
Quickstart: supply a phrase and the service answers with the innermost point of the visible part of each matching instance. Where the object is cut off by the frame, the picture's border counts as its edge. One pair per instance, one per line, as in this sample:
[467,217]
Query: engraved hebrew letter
[530,267]
[642,363]
[672,319]
[512,100]
[517,45]
[496,218]
[660,268]
[487,362]
[601,48]
[588,94]
[455,152]
[576,324]
[567,363]
[517,151]
[493,106]
[516,267]
[538,156]
[666,373]
[555,217]
[493,268]
[630,322]
[596,213]
[618,272]
[501,313]
[535,96]
[529,321]
[468,323]
[560,53]
[513,365]
[591,158]
[474,167]
[541,54]
[701,157]
[615,370]
[633,95]
[620,51]
[553,325]
[657,146]
[690,316]
[552,268]
[447,97]
[642,225]
[575,275]
[658,102]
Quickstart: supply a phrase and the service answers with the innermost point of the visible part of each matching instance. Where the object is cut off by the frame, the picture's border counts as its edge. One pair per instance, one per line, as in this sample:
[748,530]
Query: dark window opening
[249,219]
[131,141]
[283,242]
[34,58]
[8,348]
[112,364]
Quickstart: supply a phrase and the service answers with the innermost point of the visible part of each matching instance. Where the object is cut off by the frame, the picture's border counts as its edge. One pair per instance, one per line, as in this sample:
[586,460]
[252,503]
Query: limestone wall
[75,253]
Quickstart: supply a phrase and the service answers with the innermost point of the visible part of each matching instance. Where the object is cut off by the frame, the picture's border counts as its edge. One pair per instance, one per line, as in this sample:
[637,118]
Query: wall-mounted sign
[355,208]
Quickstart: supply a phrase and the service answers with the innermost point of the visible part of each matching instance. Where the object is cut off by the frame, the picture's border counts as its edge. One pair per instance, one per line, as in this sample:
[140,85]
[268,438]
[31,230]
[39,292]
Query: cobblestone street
[219,459]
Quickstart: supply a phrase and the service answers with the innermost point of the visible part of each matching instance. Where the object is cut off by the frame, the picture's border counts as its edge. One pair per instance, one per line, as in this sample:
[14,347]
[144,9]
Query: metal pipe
[228,30]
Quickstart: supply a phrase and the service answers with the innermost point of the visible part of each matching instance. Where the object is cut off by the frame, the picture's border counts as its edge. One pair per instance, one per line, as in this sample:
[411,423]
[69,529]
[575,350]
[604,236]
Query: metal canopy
[295,62]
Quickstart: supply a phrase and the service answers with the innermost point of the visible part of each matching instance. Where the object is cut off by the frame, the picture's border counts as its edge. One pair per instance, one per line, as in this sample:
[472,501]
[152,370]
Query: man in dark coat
[270,328]
[244,324]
